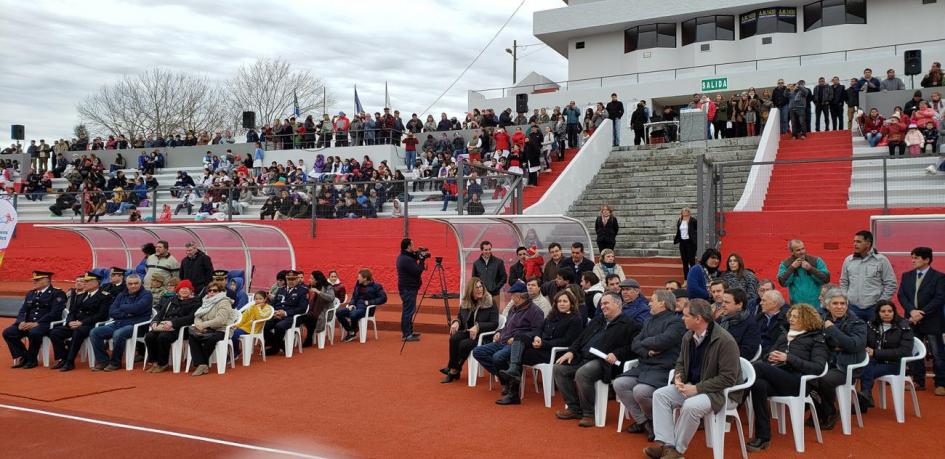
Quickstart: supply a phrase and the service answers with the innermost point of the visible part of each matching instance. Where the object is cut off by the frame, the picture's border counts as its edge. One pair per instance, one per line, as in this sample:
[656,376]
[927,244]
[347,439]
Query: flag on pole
[295,104]
[386,96]
[358,108]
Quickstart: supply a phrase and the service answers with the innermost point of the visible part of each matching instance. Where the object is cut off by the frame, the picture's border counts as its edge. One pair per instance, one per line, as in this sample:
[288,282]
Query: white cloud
[55,53]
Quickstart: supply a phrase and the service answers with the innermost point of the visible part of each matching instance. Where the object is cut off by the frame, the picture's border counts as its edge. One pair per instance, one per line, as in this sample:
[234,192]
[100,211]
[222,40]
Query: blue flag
[295,105]
[358,108]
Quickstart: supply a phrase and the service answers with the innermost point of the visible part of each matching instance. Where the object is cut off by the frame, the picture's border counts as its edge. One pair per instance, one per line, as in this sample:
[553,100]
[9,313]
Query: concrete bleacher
[39,210]
[907,182]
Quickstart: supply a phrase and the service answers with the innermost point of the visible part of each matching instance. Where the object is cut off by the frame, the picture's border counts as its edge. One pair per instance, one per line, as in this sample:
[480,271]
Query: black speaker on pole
[912,61]
[521,103]
[249,120]
[17,132]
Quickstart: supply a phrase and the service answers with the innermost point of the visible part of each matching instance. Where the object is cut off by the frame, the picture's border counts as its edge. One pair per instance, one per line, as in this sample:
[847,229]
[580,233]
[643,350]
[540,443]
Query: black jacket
[492,274]
[638,118]
[178,311]
[806,354]
[614,110]
[931,299]
[409,268]
[744,329]
[846,340]
[606,232]
[90,309]
[198,270]
[617,339]
[770,330]
[780,97]
[662,334]
[893,344]
[486,318]
[560,330]
[693,230]
[516,272]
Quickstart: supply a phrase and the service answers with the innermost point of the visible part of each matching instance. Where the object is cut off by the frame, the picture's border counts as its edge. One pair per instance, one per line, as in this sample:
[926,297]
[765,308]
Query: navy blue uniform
[292,300]
[88,308]
[41,307]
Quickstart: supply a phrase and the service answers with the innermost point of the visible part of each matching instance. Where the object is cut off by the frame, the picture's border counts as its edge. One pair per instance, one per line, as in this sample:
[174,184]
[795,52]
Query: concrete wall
[885,101]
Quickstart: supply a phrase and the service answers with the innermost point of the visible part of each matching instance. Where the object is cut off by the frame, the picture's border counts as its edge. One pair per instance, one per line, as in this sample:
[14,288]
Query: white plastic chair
[796,405]
[627,366]
[329,331]
[363,324]
[249,340]
[897,384]
[757,355]
[293,336]
[87,344]
[134,340]
[473,368]
[178,347]
[46,346]
[546,370]
[716,423]
[846,397]
[223,350]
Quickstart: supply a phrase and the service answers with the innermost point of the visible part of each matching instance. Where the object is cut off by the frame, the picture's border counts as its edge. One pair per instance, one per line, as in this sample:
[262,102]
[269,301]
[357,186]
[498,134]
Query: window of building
[828,13]
[708,28]
[767,20]
[649,36]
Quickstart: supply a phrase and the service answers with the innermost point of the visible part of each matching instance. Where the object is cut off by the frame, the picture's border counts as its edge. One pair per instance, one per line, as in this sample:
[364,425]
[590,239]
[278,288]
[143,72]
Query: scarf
[609,268]
[208,304]
[791,334]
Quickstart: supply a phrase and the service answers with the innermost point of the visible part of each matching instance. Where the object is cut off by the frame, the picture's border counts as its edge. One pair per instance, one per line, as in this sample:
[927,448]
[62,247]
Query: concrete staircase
[648,185]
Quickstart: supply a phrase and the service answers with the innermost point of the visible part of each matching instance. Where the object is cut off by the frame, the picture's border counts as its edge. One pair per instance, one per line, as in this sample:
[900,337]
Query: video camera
[422,253]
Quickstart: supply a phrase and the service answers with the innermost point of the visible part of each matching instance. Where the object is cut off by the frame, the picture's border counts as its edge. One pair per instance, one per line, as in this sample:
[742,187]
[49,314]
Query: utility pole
[514,52]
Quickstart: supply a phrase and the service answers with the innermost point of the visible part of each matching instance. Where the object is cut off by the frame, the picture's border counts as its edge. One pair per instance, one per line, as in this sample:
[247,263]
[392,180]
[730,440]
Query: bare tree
[158,101]
[269,88]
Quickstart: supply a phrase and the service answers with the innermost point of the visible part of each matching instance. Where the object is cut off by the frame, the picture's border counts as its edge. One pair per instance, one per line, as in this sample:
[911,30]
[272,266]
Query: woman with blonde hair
[687,230]
[608,265]
[477,315]
[606,227]
[800,351]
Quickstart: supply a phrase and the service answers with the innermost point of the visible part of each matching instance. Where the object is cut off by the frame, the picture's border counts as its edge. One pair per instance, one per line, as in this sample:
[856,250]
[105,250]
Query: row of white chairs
[224,351]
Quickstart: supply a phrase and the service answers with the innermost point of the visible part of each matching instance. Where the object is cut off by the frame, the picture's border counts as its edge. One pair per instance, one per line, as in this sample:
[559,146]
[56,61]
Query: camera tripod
[440,273]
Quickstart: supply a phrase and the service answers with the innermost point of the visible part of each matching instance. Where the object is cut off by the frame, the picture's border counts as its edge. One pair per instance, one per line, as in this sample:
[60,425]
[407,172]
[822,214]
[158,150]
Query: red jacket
[710,113]
[894,131]
[533,266]
[501,141]
[519,139]
[873,124]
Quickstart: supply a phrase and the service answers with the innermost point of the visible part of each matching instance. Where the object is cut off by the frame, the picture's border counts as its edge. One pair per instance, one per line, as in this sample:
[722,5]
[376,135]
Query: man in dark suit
[89,307]
[922,296]
[43,304]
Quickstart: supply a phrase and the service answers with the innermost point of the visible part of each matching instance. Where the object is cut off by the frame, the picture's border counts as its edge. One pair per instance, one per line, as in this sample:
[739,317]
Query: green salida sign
[714,84]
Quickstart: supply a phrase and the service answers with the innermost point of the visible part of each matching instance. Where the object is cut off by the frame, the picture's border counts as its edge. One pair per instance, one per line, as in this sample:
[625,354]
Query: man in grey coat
[866,277]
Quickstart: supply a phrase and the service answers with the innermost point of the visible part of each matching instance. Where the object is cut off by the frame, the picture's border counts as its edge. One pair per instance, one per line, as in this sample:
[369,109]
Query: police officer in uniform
[86,309]
[43,304]
[218,279]
[116,282]
[288,301]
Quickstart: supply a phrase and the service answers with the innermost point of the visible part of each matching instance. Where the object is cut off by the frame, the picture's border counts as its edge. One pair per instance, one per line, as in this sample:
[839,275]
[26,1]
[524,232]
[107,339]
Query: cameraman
[410,265]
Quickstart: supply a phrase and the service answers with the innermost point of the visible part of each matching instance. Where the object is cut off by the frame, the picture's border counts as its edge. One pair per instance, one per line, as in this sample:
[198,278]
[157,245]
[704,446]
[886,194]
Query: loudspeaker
[521,103]
[249,120]
[17,132]
[912,61]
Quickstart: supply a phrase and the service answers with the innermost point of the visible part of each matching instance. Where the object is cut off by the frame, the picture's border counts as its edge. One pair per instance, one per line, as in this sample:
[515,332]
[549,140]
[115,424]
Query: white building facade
[663,51]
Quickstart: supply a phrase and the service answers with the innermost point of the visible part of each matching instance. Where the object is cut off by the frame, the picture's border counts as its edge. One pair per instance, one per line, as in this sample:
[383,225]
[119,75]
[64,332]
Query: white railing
[753,196]
[569,186]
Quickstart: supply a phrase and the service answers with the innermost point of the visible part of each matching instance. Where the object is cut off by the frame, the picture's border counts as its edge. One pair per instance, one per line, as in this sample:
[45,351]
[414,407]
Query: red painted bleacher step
[811,186]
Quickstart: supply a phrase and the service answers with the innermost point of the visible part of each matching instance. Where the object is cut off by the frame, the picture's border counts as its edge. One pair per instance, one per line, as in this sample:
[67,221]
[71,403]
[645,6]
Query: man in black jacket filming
[410,265]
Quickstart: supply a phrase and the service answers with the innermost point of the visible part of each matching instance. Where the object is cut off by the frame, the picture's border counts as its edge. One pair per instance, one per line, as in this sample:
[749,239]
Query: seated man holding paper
[597,355]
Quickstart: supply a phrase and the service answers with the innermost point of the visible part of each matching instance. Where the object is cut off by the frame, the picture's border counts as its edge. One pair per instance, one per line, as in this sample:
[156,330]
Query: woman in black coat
[533,155]
[888,340]
[606,228]
[477,315]
[562,326]
[687,230]
[800,351]
[165,327]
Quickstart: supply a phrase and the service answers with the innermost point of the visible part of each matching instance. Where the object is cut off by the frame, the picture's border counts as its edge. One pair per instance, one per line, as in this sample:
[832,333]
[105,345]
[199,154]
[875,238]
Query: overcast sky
[55,53]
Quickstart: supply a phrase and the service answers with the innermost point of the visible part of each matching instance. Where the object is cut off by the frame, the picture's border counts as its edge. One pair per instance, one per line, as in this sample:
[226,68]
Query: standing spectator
[853,102]
[781,97]
[922,296]
[800,99]
[533,154]
[410,265]
[637,121]
[572,117]
[838,95]
[891,83]
[517,269]
[410,150]
[803,274]
[615,113]
[491,270]
[687,230]
[707,365]
[720,121]
[866,277]
[160,261]
[550,270]
[606,227]
[934,77]
[868,83]
[196,267]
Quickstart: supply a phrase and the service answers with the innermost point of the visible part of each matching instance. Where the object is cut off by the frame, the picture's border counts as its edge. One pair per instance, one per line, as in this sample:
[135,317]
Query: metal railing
[692,71]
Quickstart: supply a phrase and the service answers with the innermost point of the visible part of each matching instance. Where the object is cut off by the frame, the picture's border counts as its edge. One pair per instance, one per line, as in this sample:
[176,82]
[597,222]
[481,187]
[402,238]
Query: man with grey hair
[772,319]
[802,274]
[657,346]
[197,267]
[611,334]
[764,286]
[132,307]
[845,335]
[866,277]
[708,364]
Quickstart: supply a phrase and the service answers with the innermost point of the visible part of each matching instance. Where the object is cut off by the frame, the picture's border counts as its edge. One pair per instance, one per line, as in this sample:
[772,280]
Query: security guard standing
[288,301]
[43,304]
[89,307]
[116,282]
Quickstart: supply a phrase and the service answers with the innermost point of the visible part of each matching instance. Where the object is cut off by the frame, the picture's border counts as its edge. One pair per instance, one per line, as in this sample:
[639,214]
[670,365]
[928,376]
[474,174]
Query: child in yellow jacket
[259,309]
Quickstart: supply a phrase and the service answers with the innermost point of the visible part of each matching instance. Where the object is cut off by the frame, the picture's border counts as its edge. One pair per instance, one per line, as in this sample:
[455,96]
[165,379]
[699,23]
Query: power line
[481,52]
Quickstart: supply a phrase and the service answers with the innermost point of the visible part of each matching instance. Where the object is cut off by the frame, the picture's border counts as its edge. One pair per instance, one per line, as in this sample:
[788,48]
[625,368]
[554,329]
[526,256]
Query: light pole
[514,52]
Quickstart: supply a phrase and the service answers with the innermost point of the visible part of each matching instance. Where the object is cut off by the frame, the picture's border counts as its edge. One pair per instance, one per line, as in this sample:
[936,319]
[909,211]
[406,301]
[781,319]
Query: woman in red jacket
[872,125]
[895,131]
